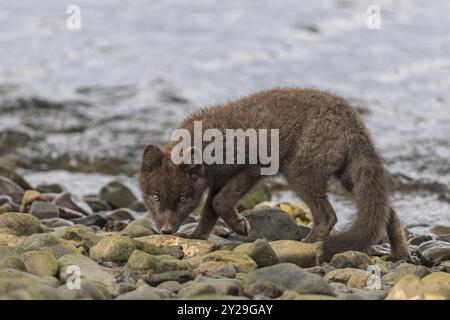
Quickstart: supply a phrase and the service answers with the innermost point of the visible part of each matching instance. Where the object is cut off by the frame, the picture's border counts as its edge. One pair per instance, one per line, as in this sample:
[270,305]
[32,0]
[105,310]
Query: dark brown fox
[320,136]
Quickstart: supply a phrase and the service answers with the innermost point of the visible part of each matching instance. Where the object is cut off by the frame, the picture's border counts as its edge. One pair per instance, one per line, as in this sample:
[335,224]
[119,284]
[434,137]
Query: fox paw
[242,227]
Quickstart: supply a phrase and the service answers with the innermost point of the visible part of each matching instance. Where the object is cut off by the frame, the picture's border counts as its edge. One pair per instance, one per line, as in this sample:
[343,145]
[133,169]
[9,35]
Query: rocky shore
[56,245]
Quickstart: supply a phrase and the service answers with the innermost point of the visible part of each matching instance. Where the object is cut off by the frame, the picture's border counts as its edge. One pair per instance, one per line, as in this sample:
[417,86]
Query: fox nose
[166,230]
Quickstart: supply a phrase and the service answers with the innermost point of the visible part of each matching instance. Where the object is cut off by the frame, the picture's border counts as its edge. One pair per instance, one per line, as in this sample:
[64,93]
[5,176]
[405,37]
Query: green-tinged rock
[56,222]
[88,290]
[119,248]
[216,269]
[76,266]
[35,293]
[403,270]
[6,251]
[302,254]
[288,276]
[351,259]
[135,231]
[195,289]
[353,278]
[260,251]
[142,261]
[47,242]
[13,176]
[19,224]
[83,236]
[6,207]
[12,262]
[191,247]
[11,280]
[241,261]
[40,263]
[432,287]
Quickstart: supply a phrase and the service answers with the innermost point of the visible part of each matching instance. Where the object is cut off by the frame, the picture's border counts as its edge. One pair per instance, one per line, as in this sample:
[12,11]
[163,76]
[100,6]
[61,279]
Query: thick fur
[320,136]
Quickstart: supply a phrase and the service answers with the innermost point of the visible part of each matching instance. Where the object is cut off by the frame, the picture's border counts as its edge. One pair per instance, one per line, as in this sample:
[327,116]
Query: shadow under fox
[320,136]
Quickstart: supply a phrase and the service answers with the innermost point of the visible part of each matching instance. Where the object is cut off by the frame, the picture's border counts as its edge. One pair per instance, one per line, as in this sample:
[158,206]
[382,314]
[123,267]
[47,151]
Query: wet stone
[70,201]
[44,210]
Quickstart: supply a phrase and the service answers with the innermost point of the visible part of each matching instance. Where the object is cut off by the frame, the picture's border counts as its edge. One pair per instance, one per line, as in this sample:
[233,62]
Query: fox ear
[151,158]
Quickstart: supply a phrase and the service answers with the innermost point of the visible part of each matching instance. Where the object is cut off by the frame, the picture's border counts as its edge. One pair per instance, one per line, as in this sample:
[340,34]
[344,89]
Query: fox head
[170,192]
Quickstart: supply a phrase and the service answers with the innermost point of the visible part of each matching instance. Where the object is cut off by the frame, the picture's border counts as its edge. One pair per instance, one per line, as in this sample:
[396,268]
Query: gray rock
[121,214]
[171,285]
[141,261]
[179,276]
[434,251]
[44,210]
[50,188]
[366,295]
[287,276]
[260,251]
[196,289]
[271,224]
[417,240]
[69,214]
[174,251]
[13,176]
[11,189]
[117,195]
[216,269]
[95,219]
[223,286]
[146,293]
[73,202]
[56,246]
[445,238]
[96,203]
[56,222]
[138,206]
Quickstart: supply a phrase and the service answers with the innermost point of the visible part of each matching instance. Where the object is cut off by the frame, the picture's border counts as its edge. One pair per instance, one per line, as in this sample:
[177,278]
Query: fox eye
[182,198]
[156,197]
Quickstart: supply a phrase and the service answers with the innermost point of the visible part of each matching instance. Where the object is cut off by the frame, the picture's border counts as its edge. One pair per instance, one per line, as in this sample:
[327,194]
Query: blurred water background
[78,106]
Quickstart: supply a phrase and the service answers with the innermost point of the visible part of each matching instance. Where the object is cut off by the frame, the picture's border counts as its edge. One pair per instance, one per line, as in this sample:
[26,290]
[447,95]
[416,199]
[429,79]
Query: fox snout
[166,230]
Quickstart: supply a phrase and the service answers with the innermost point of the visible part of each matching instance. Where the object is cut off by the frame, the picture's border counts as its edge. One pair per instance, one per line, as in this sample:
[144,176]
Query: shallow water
[137,67]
